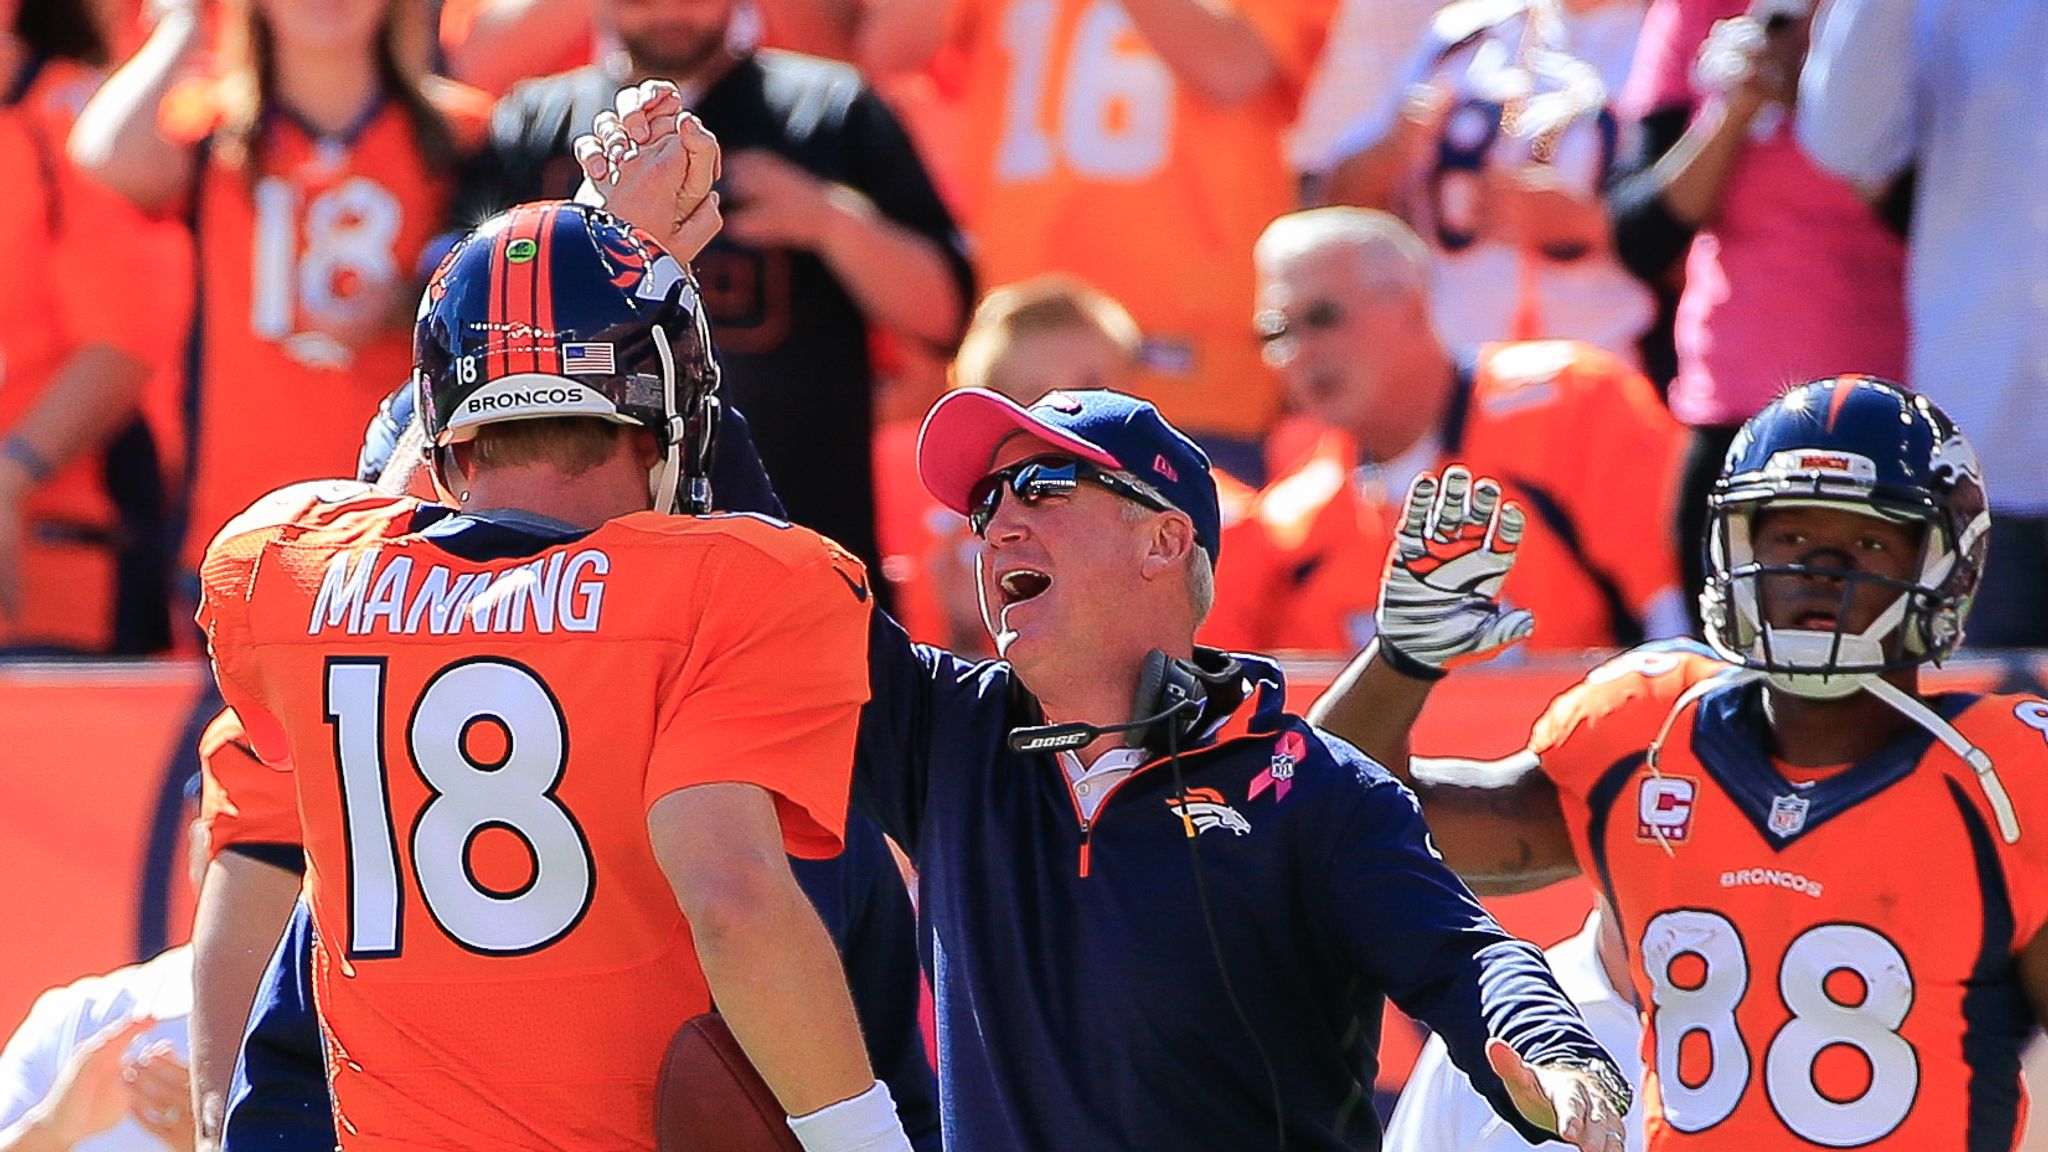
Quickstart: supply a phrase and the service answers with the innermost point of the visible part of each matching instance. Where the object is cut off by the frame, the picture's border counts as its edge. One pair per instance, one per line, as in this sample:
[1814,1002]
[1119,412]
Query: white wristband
[866,1123]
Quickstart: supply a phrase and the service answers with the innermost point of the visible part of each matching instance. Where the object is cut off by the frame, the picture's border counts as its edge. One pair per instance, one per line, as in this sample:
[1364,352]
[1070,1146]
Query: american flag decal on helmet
[587,360]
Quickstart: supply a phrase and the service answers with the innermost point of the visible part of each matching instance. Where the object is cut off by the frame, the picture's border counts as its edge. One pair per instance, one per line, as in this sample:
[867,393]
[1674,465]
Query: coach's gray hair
[1390,254]
[1201,569]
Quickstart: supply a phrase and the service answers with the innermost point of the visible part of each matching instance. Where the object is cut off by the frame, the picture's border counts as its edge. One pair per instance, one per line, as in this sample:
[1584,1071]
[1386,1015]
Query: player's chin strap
[1905,703]
[668,476]
[1978,760]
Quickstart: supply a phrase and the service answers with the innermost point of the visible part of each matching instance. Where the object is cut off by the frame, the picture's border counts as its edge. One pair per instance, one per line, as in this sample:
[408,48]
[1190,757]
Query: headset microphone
[1067,737]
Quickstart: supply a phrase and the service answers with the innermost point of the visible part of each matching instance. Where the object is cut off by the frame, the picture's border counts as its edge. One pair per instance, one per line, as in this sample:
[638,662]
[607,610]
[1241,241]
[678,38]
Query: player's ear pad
[711,1099]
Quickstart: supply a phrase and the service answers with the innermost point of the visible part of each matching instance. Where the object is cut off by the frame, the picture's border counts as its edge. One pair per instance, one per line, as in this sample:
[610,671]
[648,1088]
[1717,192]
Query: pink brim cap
[962,432]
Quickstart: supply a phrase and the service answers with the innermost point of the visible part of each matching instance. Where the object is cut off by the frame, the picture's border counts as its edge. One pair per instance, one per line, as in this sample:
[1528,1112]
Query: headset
[1166,716]
[1166,713]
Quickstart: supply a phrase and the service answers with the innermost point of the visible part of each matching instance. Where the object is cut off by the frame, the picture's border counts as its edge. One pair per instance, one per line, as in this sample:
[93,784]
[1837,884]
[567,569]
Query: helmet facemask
[1918,623]
[1866,446]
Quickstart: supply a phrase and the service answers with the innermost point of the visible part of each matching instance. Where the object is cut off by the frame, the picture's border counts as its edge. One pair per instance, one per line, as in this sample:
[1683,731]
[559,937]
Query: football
[710,1098]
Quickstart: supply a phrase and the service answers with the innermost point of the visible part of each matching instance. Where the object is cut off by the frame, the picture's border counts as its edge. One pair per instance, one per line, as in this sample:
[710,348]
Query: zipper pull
[1086,826]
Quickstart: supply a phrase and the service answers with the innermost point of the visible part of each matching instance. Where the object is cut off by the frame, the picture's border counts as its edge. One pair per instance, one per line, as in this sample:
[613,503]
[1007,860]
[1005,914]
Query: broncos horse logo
[638,264]
[1204,808]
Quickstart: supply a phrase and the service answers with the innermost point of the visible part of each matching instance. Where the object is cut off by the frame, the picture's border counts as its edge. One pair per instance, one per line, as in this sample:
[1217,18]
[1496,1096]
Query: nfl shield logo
[1788,815]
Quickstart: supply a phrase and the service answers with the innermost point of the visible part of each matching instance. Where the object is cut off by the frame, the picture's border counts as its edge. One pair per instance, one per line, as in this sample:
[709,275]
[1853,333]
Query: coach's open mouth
[1021,584]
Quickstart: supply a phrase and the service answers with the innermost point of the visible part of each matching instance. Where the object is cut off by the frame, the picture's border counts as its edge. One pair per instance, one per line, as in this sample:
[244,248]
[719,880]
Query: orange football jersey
[1088,156]
[1575,435]
[309,285]
[476,745]
[1825,958]
[73,252]
[242,800]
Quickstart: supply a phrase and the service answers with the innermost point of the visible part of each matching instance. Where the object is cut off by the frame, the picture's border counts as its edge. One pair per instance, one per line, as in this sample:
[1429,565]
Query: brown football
[711,1099]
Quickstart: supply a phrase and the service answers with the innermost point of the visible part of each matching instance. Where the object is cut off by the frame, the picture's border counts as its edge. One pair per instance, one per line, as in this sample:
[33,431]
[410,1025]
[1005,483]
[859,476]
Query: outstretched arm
[1418,934]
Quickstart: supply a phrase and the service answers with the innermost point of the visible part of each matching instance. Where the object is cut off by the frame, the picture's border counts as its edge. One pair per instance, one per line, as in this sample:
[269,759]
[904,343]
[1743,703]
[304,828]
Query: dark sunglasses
[1035,479]
[1320,316]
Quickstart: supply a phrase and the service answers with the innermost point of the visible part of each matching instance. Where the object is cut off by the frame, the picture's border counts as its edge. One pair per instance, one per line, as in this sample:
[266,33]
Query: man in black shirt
[832,226]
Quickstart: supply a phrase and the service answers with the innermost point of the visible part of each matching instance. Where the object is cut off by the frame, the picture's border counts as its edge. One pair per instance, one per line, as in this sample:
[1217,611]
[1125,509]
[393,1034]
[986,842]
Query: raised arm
[1210,45]
[117,139]
[506,41]
[893,36]
[1859,112]
[1499,824]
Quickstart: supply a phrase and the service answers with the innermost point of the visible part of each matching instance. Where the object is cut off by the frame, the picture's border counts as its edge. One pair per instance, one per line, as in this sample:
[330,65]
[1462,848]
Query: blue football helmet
[1869,446]
[559,309]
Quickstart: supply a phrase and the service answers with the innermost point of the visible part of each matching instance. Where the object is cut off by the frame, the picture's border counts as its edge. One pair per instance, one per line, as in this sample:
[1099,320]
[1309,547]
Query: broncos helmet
[1869,446]
[561,309]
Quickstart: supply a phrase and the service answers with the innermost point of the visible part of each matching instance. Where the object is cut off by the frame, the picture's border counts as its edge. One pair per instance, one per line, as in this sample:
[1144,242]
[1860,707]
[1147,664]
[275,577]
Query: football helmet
[561,309]
[1869,446]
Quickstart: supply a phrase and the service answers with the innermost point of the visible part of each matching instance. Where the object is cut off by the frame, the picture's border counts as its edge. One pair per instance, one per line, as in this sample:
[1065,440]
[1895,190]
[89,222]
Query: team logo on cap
[1059,402]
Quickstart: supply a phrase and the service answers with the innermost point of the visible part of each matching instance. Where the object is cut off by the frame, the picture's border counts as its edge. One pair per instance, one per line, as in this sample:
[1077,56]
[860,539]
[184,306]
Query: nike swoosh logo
[860,591]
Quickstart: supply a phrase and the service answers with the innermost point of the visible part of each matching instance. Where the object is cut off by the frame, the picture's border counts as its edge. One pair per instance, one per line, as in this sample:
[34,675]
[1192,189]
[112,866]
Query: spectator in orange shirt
[76,354]
[1571,432]
[1046,334]
[1136,145]
[311,168]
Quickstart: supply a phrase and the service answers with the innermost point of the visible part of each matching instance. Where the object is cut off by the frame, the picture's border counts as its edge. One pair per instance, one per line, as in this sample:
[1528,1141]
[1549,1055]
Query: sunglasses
[1035,479]
[1274,325]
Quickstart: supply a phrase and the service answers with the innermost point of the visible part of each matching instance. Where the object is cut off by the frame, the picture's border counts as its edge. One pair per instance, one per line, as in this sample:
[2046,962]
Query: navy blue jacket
[1080,1005]
[279,1103]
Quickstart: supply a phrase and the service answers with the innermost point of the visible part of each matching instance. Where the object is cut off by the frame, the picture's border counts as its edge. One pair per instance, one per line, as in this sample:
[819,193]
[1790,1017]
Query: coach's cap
[964,429]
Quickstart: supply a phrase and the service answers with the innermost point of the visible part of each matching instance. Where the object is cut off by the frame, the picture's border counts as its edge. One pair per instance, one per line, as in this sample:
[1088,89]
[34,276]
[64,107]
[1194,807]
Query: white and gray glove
[1440,598]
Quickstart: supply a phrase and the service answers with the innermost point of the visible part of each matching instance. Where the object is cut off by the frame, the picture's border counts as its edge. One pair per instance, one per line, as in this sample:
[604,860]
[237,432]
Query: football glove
[1440,598]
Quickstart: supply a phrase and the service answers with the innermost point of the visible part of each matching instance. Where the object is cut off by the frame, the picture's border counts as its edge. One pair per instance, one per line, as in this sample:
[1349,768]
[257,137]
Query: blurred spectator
[80,490]
[98,1066]
[832,230]
[1496,148]
[1768,244]
[1574,434]
[1954,89]
[1049,333]
[1362,62]
[1045,334]
[1440,1111]
[1135,145]
[311,169]
[494,44]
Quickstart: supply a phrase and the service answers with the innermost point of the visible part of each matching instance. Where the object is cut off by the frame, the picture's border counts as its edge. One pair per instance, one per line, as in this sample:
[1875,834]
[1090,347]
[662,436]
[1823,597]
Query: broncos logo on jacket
[1204,808]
